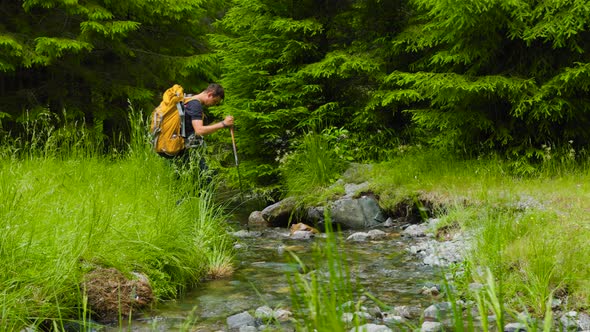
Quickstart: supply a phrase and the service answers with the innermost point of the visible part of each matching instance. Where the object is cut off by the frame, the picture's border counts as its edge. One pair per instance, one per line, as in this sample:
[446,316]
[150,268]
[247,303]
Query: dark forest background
[478,77]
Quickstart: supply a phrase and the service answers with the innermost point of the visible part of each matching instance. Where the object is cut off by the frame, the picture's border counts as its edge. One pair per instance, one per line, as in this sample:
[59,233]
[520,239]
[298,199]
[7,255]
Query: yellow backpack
[167,123]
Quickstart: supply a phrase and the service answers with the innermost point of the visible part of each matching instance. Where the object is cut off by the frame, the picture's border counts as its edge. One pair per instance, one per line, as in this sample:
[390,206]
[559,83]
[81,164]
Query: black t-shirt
[193,111]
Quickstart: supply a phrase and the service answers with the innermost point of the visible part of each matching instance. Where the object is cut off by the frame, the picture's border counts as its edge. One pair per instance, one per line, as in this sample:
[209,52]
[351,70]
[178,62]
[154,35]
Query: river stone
[352,189]
[515,327]
[315,214]
[377,234]
[243,233]
[302,235]
[256,218]
[358,237]
[391,319]
[418,230]
[282,315]
[573,320]
[248,328]
[264,312]
[438,310]
[406,311]
[239,320]
[359,213]
[584,321]
[278,214]
[371,328]
[431,327]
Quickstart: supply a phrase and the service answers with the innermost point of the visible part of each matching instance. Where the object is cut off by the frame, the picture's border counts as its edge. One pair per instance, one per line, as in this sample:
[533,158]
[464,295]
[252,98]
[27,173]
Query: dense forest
[476,77]
[467,117]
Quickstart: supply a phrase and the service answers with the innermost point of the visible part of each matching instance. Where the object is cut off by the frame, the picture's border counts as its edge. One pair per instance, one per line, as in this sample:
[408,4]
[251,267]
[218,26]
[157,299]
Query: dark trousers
[190,165]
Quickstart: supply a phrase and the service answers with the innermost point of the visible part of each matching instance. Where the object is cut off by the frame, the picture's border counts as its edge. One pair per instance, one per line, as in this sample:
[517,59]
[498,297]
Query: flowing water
[383,268]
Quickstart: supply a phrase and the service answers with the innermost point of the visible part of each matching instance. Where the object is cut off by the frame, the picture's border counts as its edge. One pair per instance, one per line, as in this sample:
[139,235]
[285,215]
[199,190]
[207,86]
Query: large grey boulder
[356,213]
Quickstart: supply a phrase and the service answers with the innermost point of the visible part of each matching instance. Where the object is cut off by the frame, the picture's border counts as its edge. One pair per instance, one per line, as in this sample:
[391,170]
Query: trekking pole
[233,140]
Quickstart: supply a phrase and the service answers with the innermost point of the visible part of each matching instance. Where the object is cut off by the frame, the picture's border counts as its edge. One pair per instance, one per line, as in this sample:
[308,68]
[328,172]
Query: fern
[56,47]
[110,29]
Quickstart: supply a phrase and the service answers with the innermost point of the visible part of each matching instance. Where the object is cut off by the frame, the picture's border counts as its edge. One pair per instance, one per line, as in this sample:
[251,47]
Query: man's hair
[216,89]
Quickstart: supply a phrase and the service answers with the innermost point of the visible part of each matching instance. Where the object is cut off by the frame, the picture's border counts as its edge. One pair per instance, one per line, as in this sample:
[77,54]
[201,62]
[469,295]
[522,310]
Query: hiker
[195,125]
[194,117]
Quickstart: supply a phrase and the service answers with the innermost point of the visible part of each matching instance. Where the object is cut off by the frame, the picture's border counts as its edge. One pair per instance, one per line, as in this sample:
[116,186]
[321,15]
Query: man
[194,116]
[195,125]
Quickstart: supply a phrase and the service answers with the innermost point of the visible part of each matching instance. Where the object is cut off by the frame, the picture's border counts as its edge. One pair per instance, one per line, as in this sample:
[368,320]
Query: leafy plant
[323,293]
[313,165]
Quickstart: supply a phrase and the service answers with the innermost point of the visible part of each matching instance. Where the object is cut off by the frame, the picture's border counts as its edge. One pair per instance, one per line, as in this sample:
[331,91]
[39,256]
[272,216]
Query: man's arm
[202,130]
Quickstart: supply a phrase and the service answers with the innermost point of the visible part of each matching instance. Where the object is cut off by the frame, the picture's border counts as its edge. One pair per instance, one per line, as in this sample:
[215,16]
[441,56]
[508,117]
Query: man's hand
[228,121]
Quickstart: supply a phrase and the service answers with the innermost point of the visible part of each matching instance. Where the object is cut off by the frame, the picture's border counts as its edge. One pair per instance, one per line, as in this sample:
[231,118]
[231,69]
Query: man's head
[214,94]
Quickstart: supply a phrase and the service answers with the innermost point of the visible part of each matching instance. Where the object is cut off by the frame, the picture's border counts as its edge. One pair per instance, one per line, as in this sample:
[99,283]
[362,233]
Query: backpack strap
[180,107]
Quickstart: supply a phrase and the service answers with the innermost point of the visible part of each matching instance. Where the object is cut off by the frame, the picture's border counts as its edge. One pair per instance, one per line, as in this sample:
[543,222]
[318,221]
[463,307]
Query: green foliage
[322,295]
[314,165]
[493,74]
[91,57]
[66,212]
[289,65]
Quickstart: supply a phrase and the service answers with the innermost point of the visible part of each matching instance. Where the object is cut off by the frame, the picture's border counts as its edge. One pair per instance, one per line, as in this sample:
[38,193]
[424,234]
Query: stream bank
[387,265]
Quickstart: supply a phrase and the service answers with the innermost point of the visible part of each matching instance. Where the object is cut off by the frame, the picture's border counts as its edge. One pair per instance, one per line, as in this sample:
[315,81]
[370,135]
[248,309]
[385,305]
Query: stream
[384,268]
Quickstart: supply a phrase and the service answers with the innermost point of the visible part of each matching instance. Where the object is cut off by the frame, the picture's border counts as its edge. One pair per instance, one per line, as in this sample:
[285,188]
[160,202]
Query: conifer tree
[91,56]
[291,65]
[508,75]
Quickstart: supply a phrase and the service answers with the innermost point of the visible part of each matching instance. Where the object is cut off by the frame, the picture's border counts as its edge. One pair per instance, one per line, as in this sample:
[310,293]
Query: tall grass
[530,232]
[314,164]
[66,209]
[324,291]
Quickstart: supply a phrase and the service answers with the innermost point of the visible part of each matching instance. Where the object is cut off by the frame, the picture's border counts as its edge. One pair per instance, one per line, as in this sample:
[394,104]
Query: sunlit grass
[313,165]
[325,290]
[66,211]
[530,231]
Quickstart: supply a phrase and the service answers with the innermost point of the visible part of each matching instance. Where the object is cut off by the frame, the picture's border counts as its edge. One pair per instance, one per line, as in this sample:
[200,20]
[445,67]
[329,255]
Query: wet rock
[352,305]
[352,189]
[556,303]
[574,321]
[264,312]
[358,237]
[256,218]
[302,235]
[435,253]
[267,313]
[430,291]
[360,213]
[419,230]
[282,315]
[515,327]
[376,234]
[584,321]
[438,311]
[245,233]
[431,327]
[278,214]
[239,320]
[407,312]
[315,214]
[371,328]
[389,222]
[392,319]
[347,317]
